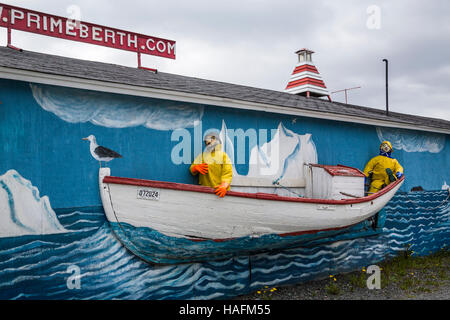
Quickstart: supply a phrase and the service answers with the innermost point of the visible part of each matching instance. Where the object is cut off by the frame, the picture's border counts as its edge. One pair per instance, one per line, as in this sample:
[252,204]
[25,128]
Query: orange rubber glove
[221,190]
[201,168]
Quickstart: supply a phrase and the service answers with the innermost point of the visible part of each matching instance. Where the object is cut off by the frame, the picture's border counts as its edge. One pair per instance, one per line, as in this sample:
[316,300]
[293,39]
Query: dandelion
[334,279]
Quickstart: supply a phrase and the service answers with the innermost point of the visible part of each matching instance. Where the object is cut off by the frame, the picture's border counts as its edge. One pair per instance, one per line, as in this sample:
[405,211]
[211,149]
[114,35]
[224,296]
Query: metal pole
[9,29]
[387,87]
[139,59]
[9,45]
[345,90]
[140,64]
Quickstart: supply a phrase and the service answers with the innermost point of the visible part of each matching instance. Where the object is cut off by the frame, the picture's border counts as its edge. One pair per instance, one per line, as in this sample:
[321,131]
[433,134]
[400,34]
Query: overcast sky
[253,43]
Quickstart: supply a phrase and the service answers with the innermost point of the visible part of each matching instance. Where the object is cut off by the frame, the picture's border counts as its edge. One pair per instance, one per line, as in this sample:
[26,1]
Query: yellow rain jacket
[220,168]
[378,166]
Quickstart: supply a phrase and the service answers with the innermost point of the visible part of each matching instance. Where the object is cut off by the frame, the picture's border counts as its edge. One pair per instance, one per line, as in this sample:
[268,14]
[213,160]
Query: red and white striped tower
[306,80]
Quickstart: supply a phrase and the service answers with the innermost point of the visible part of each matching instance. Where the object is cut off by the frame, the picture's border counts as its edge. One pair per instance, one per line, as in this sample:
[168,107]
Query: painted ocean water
[45,266]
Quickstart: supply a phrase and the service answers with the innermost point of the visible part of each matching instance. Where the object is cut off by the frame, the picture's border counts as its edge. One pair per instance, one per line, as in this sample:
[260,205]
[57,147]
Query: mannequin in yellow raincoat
[214,166]
[383,168]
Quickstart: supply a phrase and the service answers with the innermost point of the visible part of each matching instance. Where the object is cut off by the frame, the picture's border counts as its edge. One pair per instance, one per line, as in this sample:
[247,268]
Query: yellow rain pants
[378,166]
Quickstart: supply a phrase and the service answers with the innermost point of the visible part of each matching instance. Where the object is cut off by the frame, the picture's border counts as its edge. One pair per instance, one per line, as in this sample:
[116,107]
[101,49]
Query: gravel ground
[424,278]
[316,290]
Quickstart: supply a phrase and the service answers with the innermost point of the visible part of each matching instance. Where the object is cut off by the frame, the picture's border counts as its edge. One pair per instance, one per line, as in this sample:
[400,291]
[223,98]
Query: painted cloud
[114,111]
[412,142]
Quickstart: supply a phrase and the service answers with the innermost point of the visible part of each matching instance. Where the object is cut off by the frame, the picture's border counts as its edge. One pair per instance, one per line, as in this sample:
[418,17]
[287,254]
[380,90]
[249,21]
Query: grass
[417,274]
[408,272]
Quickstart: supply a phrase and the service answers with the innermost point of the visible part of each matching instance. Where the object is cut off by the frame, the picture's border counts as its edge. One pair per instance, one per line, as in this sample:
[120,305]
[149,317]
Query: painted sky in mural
[282,157]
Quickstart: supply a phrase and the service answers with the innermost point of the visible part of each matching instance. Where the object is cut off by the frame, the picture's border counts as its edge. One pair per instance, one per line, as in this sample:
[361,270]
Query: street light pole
[387,88]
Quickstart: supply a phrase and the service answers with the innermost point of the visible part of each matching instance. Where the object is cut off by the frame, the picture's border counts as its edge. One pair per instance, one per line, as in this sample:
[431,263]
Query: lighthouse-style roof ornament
[306,79]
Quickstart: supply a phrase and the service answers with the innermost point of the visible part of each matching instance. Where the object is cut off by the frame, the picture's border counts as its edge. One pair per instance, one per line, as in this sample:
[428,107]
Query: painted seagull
[101,153]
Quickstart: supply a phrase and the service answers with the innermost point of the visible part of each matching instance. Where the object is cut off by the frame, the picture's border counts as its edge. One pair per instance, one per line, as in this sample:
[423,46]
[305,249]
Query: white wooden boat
[193,212]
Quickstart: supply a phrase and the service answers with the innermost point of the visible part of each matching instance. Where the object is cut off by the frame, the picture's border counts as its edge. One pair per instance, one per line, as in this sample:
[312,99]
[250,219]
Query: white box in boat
[334,182]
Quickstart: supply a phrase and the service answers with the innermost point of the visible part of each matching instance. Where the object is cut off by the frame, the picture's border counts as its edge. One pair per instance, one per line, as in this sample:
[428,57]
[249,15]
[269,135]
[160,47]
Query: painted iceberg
[284,156]
[280,160]
[22,210]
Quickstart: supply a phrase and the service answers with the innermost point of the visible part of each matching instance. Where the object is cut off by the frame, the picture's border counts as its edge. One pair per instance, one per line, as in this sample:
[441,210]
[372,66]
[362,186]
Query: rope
[125,233]
[286,188]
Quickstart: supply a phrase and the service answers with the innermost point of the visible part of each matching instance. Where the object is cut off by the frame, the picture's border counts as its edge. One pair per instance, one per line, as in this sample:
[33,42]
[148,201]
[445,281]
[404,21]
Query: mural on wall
[74,253]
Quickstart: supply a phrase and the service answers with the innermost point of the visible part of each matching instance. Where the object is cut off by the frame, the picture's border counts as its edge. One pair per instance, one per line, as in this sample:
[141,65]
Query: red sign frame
[12,17]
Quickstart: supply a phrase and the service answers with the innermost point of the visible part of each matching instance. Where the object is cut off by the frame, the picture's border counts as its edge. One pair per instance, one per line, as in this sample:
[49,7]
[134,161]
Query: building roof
[27,65]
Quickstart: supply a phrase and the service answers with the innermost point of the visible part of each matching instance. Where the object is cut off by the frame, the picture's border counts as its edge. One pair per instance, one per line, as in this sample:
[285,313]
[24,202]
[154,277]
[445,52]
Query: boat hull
[171,223]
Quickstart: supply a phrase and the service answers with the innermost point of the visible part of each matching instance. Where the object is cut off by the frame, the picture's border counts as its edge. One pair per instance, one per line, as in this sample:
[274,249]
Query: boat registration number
[327,207]
[148,194]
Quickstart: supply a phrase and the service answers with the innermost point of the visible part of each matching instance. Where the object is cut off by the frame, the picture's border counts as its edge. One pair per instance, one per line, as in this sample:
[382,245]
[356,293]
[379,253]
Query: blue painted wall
[48,150]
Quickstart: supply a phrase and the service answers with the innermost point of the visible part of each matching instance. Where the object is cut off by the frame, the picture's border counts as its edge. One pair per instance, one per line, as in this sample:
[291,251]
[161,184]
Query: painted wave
[425,231]
[107,270]
[114,111]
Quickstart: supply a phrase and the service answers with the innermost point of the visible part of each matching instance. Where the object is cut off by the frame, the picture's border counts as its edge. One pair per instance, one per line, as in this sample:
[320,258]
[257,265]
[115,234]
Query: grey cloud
[253,43]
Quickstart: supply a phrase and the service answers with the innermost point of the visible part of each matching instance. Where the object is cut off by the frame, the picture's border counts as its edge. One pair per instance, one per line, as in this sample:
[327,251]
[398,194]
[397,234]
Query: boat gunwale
[258,196]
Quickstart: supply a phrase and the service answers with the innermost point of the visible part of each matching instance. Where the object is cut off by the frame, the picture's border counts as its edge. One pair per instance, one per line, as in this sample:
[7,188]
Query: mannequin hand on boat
[201,168]
[221,190]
